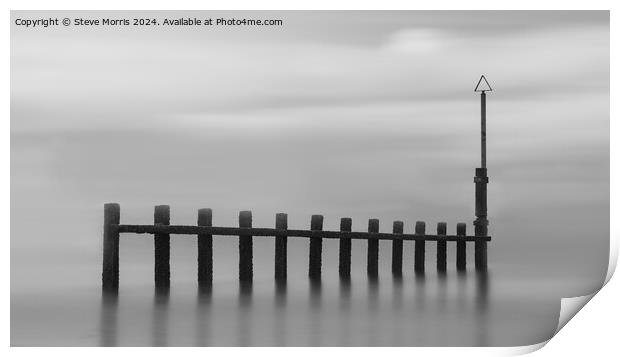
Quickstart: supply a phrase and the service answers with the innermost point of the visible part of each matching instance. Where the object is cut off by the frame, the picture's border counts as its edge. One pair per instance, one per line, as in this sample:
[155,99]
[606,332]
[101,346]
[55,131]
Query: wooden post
[280,248]
[481,223]
[373,250]
[111,217]
[344,265]
[205,249]
[162,248]
[420,247]
[397,250]
[461,261]
[245,248]
[316,247]
[442,248]
[480,253]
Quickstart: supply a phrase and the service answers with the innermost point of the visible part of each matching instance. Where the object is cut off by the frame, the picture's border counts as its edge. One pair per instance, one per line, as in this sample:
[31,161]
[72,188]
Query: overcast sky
[362,114]
[316,62]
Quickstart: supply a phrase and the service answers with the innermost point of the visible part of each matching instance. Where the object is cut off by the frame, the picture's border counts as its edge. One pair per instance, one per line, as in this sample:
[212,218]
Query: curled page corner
[523,350]
[613,258]
[570,306]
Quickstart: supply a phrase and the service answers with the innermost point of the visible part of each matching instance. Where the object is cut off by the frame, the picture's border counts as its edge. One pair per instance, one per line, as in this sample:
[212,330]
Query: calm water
[498,308]
[346,114]
[550,240]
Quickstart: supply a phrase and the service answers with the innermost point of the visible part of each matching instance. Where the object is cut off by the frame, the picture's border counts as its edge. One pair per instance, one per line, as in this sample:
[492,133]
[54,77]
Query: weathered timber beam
[271,232]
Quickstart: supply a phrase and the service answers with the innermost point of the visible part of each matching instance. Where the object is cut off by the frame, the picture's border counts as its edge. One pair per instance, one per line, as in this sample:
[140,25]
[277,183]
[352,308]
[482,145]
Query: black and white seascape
[347,121]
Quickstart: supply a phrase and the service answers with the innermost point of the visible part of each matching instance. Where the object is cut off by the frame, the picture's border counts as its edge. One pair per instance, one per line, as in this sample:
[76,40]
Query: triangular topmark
[483,85]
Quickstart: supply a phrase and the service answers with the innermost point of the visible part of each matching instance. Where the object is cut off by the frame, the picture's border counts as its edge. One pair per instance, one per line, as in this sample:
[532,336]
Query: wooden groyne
[204,231]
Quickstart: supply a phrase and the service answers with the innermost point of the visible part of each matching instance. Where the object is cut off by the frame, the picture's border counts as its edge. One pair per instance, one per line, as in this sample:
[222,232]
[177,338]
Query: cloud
[421,41]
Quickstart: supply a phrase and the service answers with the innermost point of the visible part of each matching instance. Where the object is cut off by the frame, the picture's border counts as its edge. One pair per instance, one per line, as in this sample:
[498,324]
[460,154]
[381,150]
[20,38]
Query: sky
[360,114]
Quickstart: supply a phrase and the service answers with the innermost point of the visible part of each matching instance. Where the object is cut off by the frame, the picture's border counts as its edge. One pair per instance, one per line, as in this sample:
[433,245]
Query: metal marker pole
[481,223]
[483,128]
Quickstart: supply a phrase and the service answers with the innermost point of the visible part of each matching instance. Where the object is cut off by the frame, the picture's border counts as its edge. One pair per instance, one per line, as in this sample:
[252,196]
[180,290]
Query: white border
[590,331]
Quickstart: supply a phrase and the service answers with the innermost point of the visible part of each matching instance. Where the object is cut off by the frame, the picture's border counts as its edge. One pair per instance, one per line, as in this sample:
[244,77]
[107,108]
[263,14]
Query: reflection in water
[397,305]
[420,291]
[422,305]
[280,294]
[315,294]
[108,319]
[482,291]
[373,310]
[315,313]
[442,299]
[203,315]
[397,291]
[373,294]
[482,308]
[480,303]
[159,325]
[345,310]
[244,319]
[279,318]
[345,293]
[461,290]
[408,304]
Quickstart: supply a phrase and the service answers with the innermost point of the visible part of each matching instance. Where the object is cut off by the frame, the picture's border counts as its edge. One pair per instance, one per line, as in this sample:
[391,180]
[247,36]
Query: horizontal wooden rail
[203,232]
[271,232]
